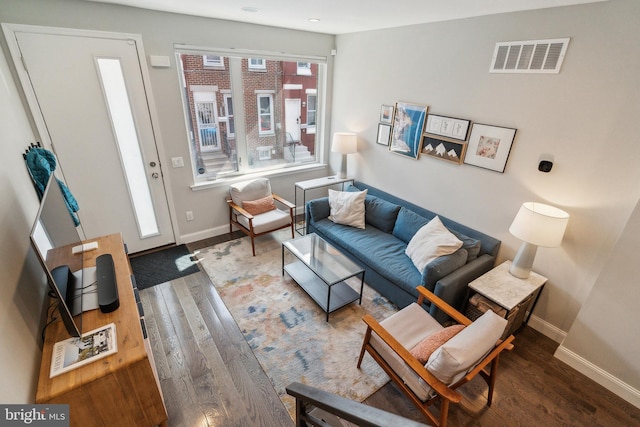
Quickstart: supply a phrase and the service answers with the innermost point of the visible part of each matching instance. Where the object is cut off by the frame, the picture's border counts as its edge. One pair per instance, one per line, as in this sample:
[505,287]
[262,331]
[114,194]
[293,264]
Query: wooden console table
[121,389]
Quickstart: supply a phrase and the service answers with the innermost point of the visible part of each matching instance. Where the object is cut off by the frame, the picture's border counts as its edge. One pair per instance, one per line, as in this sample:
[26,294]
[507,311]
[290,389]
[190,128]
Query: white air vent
[533,56]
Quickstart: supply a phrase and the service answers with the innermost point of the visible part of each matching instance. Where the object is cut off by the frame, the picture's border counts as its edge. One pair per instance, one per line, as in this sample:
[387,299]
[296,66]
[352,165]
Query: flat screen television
[53,237]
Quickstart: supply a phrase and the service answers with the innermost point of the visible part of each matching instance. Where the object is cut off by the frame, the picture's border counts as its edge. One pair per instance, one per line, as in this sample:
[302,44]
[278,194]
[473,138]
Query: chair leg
[367,336]
[253,245]
[492,379]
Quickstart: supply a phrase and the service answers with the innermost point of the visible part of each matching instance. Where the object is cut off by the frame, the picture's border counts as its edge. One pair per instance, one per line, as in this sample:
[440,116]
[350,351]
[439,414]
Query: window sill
[258,174]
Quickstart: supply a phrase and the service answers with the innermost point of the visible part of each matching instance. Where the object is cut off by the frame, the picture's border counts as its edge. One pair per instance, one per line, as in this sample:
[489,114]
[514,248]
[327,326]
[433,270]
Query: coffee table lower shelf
[329,297]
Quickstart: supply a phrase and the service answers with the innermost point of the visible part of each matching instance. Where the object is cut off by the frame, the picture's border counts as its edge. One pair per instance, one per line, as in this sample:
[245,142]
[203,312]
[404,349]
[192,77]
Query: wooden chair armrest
[283,201]
[504,345]
[438,386]
[238,209]
[442,305]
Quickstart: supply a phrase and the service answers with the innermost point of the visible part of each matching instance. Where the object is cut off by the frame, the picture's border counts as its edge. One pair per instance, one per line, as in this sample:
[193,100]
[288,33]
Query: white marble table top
[505,289]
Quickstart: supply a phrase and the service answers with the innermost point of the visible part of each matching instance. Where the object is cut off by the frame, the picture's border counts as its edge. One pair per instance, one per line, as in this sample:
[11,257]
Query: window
[228,107]
[304,68]
[242,121]
[311,112]
[265,114]
[257,64]
[213,61]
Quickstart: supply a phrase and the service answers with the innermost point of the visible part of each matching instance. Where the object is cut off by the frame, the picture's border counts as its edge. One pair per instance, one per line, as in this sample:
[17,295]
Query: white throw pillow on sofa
[347,207]
[430,242]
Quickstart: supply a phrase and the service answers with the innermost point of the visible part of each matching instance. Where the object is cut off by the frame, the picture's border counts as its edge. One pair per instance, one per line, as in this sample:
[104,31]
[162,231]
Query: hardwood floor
[210,377]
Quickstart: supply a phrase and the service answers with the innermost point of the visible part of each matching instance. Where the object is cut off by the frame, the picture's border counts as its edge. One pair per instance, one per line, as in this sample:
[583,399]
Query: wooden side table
[312,184]
[509,292]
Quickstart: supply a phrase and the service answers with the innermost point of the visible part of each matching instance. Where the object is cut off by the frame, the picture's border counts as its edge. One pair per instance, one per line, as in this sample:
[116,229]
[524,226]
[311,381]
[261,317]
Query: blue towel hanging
[41,163]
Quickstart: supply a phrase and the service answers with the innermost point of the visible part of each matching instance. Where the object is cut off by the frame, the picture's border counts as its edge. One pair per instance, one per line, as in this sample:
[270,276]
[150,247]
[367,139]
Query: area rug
[285,328]
[162,266]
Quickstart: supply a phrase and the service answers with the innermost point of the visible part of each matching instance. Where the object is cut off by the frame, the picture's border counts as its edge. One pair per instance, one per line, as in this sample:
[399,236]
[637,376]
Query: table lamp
[536,224]
[344,143]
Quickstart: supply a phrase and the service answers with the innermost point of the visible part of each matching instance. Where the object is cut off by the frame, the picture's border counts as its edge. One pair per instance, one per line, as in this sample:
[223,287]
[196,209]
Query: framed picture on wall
[448,126]
[386,114]
[489,146]
[384,134]
[451,151]
[408,127]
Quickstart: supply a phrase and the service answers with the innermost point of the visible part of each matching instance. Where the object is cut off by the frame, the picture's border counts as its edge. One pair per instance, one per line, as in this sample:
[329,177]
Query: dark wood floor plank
[248,377]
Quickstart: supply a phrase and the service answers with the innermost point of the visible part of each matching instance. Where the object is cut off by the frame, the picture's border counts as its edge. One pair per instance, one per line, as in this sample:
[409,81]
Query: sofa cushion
[347,208]
[380,213]
[407,224]
[441,267]
[380,251]
[452,360]
[433,240]
[470,244]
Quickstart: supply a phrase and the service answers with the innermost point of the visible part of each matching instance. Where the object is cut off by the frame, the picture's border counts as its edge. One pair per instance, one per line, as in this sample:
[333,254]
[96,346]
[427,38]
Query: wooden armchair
[253,211]
[452,364]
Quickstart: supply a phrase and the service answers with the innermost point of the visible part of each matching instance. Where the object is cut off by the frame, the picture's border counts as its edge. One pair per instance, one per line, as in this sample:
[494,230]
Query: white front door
[87,94]
[292,117]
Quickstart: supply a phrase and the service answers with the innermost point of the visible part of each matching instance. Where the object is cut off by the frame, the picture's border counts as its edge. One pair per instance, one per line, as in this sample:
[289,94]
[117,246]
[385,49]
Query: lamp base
[343,167]
[522,263]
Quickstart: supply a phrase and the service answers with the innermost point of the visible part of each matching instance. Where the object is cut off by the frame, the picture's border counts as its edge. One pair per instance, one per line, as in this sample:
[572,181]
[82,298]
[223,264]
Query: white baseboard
[547,329]
[605,379]
[204,234]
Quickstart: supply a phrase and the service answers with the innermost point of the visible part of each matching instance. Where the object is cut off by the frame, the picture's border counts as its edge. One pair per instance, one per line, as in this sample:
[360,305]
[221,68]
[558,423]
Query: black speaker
[107,286]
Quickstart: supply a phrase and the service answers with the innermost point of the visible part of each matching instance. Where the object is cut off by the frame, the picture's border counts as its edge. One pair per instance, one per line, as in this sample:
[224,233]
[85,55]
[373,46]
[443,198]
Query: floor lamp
[536,224]
[344,143]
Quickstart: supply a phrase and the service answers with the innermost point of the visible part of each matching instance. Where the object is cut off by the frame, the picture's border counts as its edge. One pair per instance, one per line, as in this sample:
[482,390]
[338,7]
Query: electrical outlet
[189,216]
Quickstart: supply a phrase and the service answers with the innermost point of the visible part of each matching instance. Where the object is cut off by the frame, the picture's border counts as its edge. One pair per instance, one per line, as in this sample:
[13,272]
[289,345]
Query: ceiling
[342,16]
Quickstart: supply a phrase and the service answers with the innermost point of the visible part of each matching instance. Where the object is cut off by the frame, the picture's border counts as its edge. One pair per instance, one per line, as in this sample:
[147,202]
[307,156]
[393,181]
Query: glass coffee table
[321,270]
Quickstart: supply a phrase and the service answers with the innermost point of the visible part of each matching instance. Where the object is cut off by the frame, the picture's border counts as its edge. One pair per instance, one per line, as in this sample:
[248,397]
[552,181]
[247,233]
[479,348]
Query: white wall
[22,284]
[603,339]
[585,117]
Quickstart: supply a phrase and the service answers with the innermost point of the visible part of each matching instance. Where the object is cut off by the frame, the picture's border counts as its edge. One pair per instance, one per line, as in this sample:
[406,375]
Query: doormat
[163,266]
[286,329]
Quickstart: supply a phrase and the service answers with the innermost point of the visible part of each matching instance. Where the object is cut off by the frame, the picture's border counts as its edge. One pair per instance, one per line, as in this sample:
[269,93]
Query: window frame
[261,66]
[271,114]
[232,55]
[218,63]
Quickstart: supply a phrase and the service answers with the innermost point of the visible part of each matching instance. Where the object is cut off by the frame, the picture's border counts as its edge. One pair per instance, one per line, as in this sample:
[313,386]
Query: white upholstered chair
[446,362]
[253,211]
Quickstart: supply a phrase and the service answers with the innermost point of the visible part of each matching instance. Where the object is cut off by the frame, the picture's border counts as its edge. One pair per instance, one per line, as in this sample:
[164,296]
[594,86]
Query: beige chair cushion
[249,190]
[409,326]
[267,221]
[455,358]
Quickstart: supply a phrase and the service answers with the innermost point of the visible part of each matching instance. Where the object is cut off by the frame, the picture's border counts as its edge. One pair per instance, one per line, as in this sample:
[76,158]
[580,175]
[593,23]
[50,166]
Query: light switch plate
[177,162]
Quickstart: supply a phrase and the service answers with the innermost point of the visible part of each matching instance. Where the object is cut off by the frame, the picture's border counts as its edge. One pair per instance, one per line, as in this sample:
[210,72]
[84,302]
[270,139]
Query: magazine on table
[75,352]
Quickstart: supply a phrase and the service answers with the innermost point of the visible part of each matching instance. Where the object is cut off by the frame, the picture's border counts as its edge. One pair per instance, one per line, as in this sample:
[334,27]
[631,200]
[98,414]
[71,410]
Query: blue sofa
[379,249]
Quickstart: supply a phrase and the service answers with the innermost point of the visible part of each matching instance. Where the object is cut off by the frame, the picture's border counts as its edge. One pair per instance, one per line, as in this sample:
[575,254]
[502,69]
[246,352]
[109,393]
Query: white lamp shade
[540,224]
[344,143]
